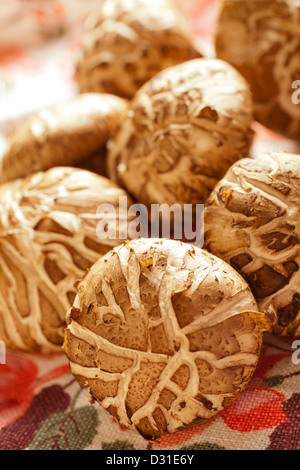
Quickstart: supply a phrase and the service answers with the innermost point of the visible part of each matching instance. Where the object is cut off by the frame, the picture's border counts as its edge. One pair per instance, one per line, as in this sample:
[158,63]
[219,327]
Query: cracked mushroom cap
[126,42]
[163,335]
[181,133]
[252,221]
[261,39]
[48,239]
[72,133]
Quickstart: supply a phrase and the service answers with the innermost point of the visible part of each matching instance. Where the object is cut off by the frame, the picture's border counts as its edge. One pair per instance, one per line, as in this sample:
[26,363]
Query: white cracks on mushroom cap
[201,343]
[48,241]
[260,235]
[263,43]
[184,129]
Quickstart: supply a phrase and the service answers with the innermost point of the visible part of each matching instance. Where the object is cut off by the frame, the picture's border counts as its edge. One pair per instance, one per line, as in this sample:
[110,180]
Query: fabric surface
[41,405]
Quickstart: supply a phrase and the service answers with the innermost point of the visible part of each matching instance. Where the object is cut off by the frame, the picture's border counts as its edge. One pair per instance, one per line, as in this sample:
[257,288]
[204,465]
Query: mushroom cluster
[162,333]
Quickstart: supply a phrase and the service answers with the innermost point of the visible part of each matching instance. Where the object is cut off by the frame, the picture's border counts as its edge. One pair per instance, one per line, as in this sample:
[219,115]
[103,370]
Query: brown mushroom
[163,335]
[261,39]
[72,132]
[126,42]
[252,221]
[48,239]
[181,133]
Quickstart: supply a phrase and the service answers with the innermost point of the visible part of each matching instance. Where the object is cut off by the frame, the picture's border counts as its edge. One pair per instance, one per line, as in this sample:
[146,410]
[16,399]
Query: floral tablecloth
[41,405]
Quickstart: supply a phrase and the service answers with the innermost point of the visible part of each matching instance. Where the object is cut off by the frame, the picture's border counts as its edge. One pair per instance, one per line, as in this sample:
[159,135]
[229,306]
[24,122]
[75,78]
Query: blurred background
[38,41]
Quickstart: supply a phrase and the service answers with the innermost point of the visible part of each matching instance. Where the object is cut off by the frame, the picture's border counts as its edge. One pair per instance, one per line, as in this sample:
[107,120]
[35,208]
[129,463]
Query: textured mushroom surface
[261,39]
[163,335]
[181,133]
[126,42]
[68,133]
[48,239]
[252,221]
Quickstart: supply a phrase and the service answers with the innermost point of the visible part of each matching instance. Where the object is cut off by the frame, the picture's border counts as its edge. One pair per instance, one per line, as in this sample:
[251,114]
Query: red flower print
[254,410]
[16,386]
[258,407]
[180,437]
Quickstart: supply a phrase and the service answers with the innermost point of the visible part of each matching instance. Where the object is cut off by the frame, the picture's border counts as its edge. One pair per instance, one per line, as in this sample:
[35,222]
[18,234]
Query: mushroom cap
[261,39]
[125,43]
[181,133]
[252,221]
[48,239]
[163,335]
[68,133]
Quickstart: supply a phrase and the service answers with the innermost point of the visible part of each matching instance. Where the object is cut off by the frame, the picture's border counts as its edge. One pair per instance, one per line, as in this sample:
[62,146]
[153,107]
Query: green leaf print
[118,445]
[204,446]
[73,430]
[274,381]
